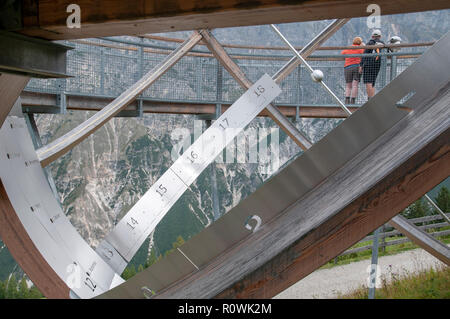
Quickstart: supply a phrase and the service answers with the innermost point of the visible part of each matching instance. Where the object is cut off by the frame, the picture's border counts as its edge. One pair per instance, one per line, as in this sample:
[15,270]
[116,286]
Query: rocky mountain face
[104,176]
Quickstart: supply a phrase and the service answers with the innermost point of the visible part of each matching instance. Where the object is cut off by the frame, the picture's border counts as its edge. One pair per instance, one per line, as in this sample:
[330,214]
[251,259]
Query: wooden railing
[387,232]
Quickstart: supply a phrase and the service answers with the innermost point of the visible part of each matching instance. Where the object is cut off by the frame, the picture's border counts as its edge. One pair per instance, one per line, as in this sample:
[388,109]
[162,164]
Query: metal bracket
[32,57]
[61,101]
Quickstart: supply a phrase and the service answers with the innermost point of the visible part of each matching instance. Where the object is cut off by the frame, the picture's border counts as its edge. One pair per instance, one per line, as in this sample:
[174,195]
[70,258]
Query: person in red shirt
[352,71]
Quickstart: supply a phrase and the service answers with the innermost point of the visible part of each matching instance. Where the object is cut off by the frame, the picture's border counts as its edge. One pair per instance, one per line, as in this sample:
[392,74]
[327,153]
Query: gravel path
[326,283]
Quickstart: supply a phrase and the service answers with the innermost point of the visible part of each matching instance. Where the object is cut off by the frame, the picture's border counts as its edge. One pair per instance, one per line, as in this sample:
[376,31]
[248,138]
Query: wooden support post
[422,238]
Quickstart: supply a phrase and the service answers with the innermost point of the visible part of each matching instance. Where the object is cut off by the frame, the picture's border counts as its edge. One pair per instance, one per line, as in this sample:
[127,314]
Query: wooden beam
[47,18]
[284,48]
[33,102]
[26,253]
[422,238]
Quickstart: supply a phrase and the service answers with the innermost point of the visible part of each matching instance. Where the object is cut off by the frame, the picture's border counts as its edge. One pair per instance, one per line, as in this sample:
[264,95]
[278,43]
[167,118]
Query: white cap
[395,39]
[376,33]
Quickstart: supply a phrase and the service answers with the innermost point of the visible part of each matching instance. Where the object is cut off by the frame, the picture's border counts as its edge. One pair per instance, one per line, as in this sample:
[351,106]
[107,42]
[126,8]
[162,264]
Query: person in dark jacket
[370,66]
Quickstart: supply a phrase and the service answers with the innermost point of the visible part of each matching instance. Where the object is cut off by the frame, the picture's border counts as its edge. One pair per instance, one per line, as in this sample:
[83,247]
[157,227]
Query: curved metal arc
[54,239]
[129,234]
[60,146]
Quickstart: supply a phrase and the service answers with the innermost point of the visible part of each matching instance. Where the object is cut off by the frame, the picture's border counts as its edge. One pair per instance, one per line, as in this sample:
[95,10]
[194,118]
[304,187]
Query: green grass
[426,284]
[390,250]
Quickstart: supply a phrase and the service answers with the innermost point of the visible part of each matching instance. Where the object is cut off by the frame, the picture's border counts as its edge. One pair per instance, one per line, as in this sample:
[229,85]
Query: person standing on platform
[370,65]
[352,72]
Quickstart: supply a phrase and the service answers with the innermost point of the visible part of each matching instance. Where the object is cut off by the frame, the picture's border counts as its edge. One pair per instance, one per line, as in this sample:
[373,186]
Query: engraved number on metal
[193,156]
[259,90]
[256,226]
[224,121]
[133,224]
[161,190]
[88,282]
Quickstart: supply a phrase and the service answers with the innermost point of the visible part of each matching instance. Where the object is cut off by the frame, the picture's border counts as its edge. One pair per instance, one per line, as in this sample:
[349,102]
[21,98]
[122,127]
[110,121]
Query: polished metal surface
[128,235]
[280,194]
[64,249]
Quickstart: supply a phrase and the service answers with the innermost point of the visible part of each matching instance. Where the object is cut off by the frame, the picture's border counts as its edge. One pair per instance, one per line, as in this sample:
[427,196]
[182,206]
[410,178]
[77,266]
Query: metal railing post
[102,71]
[383,75]
[383,238]
[393,67]
[311,70]
[219,88]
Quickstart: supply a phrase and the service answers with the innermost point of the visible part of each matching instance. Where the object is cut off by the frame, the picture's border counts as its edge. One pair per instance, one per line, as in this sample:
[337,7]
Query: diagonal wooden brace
[422,238]
[221,55]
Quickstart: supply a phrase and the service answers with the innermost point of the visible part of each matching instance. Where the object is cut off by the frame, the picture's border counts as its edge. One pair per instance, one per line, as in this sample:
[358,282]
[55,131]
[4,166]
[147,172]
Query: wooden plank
[33,102]
[11,86]
[26,254]
[426,169]
[47,18]
[391,243]
[422,239]
[284,48]
[396,232]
